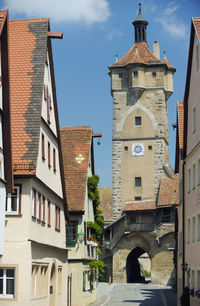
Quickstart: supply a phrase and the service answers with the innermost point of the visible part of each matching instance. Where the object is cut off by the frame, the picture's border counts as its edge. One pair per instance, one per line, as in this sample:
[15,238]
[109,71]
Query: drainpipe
[183,223]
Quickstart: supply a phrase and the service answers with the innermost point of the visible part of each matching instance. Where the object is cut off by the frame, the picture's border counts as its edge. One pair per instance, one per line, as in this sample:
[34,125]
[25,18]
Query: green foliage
[95,228]
[98,251]
[93,190]
[146,273]
[99,266]
[185,297]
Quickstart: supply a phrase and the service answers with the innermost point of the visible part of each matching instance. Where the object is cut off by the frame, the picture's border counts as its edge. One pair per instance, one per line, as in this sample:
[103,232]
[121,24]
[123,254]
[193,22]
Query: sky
[94,31]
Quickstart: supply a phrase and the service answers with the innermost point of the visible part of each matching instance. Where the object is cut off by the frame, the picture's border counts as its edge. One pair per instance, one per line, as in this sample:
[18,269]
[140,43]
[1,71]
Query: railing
[141,227]
[24,166]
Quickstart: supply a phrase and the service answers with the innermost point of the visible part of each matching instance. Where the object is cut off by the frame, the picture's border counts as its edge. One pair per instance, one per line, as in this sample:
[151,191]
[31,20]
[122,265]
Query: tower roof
[140,17]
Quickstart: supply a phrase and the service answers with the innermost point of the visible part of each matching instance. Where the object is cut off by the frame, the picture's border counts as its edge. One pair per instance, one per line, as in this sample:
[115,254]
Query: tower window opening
[121,75]
[138,198]
[138,181]
[126,148]
[154,74]
[135,73]
[138,120]
[149,147]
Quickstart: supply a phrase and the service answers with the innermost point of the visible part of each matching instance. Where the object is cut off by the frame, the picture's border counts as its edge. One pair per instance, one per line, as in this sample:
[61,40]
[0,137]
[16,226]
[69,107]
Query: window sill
[13,214]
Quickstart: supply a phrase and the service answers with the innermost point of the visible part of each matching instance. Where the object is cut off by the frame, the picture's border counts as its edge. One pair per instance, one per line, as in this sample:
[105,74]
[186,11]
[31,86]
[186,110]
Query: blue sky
[94,32]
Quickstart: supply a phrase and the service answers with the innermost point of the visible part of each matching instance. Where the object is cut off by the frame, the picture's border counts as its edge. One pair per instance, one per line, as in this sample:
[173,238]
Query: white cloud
[115,33]
[172,23]
[85,11]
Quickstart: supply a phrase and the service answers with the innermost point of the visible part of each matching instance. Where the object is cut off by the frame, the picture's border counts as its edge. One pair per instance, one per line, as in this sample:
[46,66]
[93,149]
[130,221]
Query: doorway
[52,289]
[138,266]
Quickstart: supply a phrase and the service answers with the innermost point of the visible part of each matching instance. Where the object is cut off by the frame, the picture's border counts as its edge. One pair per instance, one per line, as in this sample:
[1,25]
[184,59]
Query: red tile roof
[26,38]
[76,148]
[140,205]
[3,16]
[196,22]
[168,192]
[140,53]
[180,123]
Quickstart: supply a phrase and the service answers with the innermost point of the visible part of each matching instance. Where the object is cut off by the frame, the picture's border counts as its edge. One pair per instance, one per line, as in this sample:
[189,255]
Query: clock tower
[141,84]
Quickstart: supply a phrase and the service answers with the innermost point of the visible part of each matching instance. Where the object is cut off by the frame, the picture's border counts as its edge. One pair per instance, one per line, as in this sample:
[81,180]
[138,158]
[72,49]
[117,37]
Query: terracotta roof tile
[140,205]
[76,143]
[27,52]
[3,16]
[180,123]
[196,22]
[169,191]
[165,61]
[140,53]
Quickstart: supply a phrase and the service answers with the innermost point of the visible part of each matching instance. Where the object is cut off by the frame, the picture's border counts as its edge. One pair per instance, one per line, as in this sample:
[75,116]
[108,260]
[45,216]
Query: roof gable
[76,150]
[26,66]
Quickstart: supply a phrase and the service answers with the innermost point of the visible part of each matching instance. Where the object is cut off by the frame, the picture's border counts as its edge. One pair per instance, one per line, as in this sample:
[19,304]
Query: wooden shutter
[85,232]
[43,219]
[54,159]
[43,147]
[49,154]
[40,204]
[35,203]
[49,213]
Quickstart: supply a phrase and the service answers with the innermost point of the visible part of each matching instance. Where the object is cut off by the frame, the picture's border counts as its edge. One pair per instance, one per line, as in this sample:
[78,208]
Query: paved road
[134,295]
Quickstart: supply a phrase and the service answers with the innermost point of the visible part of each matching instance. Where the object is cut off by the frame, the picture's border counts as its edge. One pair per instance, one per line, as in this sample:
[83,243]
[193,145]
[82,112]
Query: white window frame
[4,295]
[189,180]
[193,176]
[194,122]
[9,201]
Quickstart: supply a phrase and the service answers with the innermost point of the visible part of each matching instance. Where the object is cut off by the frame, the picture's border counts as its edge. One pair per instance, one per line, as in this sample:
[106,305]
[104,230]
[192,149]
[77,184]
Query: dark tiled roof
[27,54]
[196,21]
[76,148]
[140,53]
[140,205]
[180,123]
[169,191]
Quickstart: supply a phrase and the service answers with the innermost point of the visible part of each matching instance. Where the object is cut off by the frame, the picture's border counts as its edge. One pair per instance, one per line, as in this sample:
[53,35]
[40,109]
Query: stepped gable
[180,123]
[76,147]
[140,205]
[3,17]
[27,54]
[196,22]
[168,192]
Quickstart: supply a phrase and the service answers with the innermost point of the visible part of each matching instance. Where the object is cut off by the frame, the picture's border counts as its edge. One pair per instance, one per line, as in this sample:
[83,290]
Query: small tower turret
[140,25]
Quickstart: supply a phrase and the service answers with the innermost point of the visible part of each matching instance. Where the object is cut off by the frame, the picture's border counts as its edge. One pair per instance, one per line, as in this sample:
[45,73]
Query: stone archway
[134,270]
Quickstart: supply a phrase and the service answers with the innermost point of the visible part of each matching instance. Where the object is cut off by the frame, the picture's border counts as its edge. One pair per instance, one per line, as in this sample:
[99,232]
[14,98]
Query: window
[49,213]
[197,58]
[59,280]
[126,148]
[188,231]
[49,154]
[39,206]
[193,229]
[199,172]
[194,119]
[54,159]
[138,120]
[154,74]
[189,180]
[43,209]
[48,108]
[135,73]
[120,75]
[198,227]
[138,181]
[138,198]
[34,280]
[39,280]
[192,279]
[149,147]
[7,282]
[193,176]
[13,201]
[34,195]
[43,147]
[71,233]
[57,218]
[166,215]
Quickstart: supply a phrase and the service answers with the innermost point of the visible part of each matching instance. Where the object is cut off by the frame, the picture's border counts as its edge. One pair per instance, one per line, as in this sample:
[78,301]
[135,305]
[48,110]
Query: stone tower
[141,84]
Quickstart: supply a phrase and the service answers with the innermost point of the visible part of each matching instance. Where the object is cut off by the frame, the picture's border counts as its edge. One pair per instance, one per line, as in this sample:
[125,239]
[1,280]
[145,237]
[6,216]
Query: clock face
[138,149]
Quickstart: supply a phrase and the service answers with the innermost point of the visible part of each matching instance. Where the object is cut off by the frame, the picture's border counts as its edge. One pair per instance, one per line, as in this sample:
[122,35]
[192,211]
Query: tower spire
[140,25]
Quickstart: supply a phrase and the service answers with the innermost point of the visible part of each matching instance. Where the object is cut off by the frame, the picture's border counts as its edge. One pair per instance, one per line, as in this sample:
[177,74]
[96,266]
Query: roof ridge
[30,19]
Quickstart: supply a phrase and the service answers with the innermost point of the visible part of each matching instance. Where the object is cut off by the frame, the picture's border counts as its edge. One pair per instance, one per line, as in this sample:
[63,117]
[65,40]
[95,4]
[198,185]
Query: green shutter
[83,280]
[91,280]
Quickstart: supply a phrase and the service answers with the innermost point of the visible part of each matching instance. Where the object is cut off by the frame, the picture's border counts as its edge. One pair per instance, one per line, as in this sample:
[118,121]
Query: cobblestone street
[134,295]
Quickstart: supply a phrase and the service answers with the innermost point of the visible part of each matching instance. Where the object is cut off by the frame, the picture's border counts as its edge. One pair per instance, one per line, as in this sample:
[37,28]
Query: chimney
[156,49]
